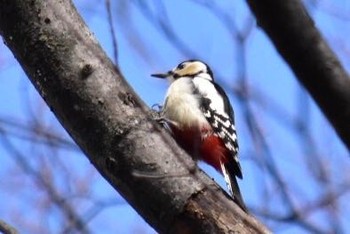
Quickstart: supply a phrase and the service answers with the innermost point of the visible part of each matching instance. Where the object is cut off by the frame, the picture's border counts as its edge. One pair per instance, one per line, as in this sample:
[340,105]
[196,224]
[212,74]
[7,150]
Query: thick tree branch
[295,36]
[111,125]
[6,228]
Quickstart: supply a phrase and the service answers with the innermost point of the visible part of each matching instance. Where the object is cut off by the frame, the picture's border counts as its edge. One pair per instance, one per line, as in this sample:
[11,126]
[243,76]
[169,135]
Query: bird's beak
[162,75]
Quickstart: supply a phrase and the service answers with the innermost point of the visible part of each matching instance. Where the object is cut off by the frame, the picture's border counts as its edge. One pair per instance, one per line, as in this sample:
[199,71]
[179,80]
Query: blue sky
[143,50]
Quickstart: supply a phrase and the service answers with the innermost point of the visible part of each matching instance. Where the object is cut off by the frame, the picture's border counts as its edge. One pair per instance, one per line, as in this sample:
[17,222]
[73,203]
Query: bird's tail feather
[231,181]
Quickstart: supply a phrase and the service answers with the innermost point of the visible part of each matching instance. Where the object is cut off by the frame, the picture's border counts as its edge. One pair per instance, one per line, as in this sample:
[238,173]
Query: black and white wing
[222,122]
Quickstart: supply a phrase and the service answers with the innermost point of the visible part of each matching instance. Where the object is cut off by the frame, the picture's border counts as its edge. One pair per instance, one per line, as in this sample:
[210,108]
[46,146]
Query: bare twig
[111,27]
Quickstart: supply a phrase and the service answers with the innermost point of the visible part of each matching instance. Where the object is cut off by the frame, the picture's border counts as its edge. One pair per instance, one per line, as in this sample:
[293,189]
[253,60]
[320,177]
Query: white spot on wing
[226,176]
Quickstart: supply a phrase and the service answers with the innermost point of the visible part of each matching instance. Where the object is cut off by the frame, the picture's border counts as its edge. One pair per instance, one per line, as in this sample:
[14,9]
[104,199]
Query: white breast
[182,106]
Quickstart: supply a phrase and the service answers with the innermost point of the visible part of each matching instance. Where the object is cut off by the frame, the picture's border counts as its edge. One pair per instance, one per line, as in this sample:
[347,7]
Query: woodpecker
[199,115]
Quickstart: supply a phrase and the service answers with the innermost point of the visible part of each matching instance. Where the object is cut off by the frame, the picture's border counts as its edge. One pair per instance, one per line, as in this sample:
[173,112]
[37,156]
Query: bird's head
[189,68]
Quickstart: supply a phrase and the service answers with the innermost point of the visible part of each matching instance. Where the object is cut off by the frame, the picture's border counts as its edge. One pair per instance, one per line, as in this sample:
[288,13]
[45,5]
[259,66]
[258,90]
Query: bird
[201,119]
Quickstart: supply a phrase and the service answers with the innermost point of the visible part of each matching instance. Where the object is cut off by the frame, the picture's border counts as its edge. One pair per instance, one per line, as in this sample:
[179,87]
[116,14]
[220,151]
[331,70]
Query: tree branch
[6,228]
[111,125]
[297,39]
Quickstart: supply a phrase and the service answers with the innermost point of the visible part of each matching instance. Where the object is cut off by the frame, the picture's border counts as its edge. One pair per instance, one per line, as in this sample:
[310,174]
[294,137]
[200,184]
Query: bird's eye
[181,66]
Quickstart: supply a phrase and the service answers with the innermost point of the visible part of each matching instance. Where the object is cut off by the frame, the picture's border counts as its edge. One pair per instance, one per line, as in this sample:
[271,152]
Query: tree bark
[111,124]
[297,39]
[7,228]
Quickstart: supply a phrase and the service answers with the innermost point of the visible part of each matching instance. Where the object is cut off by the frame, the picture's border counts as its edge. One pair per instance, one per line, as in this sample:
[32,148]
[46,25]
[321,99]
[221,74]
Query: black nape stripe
[181,66]
[210,72]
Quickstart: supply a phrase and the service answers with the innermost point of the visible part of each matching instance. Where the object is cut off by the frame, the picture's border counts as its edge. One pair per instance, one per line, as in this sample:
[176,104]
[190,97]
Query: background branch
[297,39]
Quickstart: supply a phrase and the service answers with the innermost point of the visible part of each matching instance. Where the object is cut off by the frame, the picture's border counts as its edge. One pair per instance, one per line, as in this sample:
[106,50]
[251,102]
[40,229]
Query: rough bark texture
[297,39]
[6,228]
[111,125]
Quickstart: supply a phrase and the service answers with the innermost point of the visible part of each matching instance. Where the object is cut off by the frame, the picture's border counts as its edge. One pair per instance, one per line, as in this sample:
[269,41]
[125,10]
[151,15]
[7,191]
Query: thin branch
[16,128]
[75,222]
[111,27]
[163,24]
